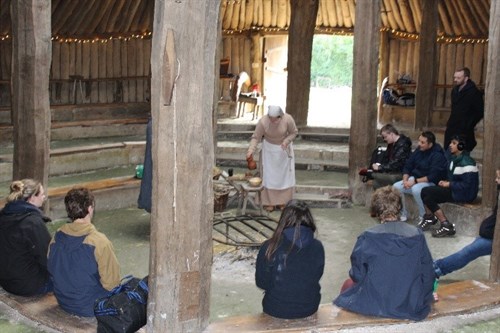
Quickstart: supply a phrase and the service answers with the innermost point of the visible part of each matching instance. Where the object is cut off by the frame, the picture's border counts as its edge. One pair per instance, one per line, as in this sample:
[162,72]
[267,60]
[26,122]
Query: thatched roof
[111,18]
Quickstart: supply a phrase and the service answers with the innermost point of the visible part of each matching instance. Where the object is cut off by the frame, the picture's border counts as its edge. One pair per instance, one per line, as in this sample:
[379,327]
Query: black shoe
[426,222]
[447,229]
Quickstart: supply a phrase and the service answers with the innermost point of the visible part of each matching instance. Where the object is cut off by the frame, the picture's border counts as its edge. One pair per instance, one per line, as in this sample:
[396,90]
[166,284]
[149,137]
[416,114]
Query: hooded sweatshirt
[393,273]
[291,279]
[83,266]
[24,240]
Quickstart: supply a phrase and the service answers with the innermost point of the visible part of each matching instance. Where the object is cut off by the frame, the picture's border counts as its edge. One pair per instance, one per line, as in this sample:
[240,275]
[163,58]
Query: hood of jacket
[71,235]
[306,235]
[400,238]
[15,211]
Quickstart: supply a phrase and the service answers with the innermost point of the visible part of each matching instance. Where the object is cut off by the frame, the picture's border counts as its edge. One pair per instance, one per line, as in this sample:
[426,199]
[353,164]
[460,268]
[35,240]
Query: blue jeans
[415,191]
[478,248]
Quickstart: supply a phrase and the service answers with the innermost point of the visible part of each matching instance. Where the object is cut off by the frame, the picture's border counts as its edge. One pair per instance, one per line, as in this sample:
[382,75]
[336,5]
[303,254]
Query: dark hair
[77,202]
[386,203]
[461,142]
[466,71]
[389,128]
[431,138]
[295,214]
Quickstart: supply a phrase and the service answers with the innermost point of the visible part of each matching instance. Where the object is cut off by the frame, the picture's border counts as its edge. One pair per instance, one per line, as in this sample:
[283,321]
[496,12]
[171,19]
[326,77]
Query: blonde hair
[23,189]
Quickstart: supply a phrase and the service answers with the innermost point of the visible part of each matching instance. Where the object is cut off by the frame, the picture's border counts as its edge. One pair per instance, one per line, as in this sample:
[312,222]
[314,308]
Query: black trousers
[434,195]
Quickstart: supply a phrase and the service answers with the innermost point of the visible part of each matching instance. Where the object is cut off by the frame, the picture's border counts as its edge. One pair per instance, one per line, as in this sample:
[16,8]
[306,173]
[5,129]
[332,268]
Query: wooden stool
[249,193]
[257,103]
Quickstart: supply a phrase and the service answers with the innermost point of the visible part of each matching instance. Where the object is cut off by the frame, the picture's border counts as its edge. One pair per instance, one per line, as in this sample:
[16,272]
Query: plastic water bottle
[139,170]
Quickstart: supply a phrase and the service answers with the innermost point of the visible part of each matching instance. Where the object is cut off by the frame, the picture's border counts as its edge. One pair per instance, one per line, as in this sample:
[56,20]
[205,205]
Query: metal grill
[242,230]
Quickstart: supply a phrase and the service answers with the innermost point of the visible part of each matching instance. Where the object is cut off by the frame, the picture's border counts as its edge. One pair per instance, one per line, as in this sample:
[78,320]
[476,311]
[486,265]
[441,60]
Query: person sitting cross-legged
[462,186]
[425,167]
[391,271]
[81,260]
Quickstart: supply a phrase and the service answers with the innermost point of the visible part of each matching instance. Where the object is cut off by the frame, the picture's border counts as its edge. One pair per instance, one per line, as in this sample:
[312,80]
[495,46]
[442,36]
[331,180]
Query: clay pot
[251,163]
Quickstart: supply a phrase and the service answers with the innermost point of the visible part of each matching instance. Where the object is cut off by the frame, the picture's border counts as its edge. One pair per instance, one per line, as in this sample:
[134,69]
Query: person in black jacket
[391,271]
[290,265]
[467,109]
[386,165]
[24,240]
[481,246]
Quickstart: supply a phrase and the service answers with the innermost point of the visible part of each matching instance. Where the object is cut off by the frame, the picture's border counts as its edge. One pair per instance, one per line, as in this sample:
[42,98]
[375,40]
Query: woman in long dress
[276,131]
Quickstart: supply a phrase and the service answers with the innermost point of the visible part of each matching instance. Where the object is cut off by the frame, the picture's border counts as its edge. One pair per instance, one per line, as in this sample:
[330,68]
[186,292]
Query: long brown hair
[295,214]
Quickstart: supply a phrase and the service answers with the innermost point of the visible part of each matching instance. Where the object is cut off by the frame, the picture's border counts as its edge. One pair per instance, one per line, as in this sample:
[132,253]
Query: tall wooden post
[183,60]
[491,149]
[427,64]
[363,133]
[300,39]
[31,58]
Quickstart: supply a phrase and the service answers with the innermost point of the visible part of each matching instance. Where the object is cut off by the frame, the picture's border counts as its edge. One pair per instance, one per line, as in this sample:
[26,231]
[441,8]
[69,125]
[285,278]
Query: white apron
[278,166]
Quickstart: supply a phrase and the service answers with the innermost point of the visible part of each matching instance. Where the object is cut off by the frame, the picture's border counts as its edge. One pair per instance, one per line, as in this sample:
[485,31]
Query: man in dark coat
[467,109]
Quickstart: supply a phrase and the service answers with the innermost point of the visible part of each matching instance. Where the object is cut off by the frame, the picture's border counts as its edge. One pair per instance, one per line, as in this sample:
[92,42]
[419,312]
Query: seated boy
[81,260]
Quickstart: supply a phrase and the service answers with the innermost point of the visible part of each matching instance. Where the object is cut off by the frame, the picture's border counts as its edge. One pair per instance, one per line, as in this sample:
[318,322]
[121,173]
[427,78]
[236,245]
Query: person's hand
[284,146]
[444,183]
[408,183]
[376,166]
[248,155]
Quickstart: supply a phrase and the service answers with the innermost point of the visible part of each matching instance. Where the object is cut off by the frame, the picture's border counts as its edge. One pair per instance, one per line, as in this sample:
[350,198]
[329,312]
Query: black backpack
[124,308]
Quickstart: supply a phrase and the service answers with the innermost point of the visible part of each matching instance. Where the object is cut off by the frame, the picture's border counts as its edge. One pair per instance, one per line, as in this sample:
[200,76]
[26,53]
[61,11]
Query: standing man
[467,109]
[425,167]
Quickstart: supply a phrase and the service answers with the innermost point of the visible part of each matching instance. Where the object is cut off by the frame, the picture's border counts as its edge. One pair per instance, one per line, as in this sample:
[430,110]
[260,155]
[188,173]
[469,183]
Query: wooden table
[257,102]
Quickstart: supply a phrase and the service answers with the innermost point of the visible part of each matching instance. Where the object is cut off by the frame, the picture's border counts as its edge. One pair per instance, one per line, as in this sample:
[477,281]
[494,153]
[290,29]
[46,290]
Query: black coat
[144,200]
[396,155]
[24,241]
[467,109]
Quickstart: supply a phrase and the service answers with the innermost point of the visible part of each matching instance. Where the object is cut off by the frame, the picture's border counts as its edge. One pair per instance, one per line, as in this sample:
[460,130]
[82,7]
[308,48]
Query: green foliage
[331,64]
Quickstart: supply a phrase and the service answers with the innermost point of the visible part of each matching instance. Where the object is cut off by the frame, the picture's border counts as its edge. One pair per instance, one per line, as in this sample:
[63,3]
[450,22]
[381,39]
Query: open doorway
[331,81]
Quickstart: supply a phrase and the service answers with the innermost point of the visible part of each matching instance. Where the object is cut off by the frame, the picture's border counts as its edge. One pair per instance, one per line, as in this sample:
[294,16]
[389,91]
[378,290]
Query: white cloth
[278,166]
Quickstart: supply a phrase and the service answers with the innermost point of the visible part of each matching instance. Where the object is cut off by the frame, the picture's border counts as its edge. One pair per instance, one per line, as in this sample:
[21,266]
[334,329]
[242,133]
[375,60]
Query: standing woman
[24,240]
[277,158]
[290,265]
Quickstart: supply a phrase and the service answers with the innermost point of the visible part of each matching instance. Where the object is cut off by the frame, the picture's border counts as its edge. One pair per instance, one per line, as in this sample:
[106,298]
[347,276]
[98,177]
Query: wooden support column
[183,58]
[300,39]
[256,56]
[363,133]
[427,65]
[491,148]
[31,57]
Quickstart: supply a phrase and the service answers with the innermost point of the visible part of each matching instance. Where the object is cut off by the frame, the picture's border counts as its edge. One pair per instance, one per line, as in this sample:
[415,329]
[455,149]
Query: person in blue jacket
[425,167]
[462,185]
[481,246]
[391,266]
[290,265]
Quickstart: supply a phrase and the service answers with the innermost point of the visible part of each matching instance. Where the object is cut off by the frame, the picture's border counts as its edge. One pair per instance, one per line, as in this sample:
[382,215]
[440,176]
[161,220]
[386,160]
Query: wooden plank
[117,10]
[117,67]
[406,16]
[101,51]
[55,72]
[403,54]
[417,13]
[78,71]
[338,13]
[132,70]
[444,19]
[124,71]
[31,59]
[147,69]
[441,78]
[450,70]
[228,15]
[86,70]
[346,14]
[110,85]
[390,14]
[393,60]
[65,86]
[468,53]
[249,11]
[94,71]
[282,10]
[179,279]
[266,13]
[477,63]
[139,44]
[459,60]
[329,13]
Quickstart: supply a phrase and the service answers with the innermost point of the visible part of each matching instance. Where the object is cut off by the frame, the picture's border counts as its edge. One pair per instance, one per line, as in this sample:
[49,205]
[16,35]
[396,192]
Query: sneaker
[447,229]
[426,222]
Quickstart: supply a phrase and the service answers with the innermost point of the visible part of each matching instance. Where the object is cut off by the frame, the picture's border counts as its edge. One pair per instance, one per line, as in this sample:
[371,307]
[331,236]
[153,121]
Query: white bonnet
[274,111]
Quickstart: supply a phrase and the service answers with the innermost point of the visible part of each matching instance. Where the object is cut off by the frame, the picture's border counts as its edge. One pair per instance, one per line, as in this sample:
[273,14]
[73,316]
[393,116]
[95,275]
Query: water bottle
[139,170]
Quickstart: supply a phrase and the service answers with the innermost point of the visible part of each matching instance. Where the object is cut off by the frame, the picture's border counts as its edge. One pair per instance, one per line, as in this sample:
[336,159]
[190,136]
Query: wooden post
[257,68]
[363,131]
[427,65]
[300,39]
[491,148]
[31,58]
[183,57]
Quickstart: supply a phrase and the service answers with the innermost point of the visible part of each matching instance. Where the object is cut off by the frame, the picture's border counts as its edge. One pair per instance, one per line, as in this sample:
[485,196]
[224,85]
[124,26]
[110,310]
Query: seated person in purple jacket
[391,266]
[462,185]
[481,246]
[290,265]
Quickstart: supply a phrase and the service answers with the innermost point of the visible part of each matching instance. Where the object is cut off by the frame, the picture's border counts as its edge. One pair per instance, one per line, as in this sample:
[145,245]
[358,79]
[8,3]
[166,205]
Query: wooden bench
[454,299]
